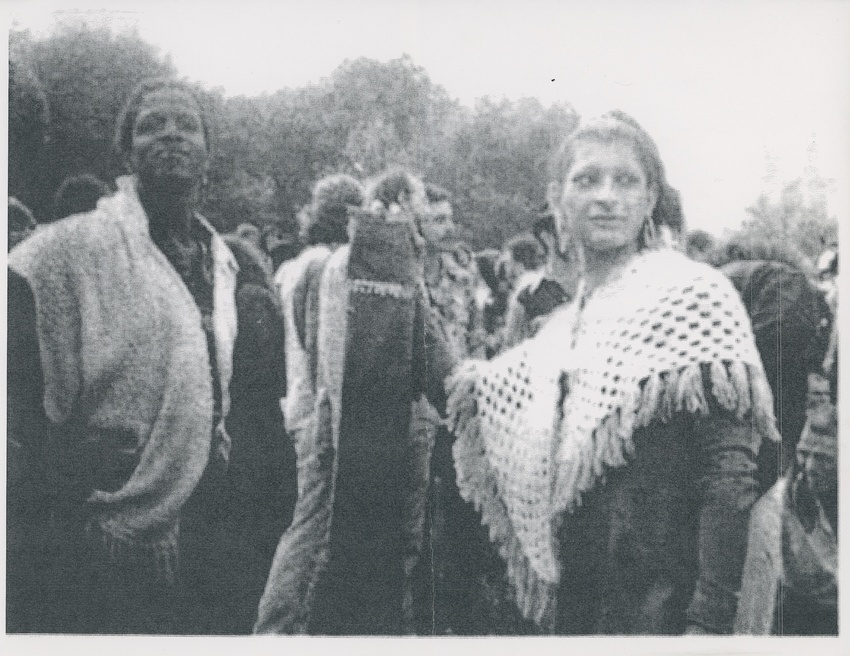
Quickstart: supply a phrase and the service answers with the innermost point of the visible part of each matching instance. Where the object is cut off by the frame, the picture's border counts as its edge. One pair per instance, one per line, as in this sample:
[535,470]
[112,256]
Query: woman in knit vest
[613,455]
[123,324]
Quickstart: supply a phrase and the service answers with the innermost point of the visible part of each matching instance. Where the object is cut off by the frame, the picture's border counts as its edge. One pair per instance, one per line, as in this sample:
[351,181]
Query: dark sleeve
[259,356]
[25,391]
[433,358]
[727,489]
[42,466]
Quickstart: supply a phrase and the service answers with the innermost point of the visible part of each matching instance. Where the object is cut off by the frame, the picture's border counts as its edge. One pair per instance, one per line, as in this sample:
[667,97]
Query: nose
[605,190]
[171,128]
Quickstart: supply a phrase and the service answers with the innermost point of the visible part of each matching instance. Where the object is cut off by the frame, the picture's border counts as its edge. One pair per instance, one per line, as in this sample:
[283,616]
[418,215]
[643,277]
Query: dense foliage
[66,91]
[270,149]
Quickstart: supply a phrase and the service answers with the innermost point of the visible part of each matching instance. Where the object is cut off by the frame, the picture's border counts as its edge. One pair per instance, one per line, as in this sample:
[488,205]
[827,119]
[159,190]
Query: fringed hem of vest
[738,387]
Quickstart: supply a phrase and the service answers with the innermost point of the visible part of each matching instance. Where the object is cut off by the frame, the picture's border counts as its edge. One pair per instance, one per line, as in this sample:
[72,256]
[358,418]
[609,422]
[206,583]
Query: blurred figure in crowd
[491,303]
[542,291]
[827,267]
[699,245]
[77,194]
[250,233]
[520,256]
[324,229]
[261,477]
[790,584]
[347,564]
[791,323]
[21,222]
[281,243]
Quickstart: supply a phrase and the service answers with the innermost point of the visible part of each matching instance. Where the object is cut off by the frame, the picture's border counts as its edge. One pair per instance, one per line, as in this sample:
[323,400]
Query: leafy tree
[29,120]
[86,74]
[799,216]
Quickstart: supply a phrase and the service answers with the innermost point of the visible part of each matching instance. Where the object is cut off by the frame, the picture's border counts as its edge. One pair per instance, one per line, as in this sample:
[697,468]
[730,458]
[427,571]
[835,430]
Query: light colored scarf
[124,354]
[629,354]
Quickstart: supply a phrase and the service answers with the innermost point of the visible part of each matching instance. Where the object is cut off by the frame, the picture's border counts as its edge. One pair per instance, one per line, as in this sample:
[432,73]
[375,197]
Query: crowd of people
[609,426]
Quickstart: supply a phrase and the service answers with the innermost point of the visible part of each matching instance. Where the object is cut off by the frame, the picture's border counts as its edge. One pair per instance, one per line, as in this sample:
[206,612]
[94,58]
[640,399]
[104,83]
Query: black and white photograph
[471,323]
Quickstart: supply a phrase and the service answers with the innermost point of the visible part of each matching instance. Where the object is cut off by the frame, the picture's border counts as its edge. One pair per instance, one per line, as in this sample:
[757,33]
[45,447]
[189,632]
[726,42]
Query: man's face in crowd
[437,225]
[168,143]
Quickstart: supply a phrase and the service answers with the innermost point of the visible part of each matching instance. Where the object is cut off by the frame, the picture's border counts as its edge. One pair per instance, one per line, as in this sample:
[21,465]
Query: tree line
[67,89]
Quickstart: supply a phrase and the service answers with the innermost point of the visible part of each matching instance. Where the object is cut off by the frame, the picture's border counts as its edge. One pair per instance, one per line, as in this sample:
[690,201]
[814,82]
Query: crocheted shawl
[627,355]
[126,364]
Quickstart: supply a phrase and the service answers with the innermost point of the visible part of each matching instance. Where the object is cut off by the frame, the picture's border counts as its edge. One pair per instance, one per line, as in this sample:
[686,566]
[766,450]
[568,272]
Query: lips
[607,221]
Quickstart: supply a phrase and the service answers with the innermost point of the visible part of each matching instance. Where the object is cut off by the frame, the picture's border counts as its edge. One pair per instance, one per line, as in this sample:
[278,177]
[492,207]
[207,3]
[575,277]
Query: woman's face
[606,196]
[168,138]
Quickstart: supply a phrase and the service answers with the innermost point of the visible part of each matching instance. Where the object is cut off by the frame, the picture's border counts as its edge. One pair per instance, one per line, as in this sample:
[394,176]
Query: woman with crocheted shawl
[613,455]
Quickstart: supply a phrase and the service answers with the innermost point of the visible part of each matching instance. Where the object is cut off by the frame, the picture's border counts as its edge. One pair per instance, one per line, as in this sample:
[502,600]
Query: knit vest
[125,362]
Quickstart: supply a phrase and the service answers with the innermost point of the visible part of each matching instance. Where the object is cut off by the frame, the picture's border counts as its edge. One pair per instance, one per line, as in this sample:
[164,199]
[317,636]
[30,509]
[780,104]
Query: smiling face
[168,143]
[606,195]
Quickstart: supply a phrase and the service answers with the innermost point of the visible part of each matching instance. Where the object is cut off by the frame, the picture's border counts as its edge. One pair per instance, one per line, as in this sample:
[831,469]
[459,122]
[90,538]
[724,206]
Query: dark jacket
[344,566]
[673,530]
[790,322]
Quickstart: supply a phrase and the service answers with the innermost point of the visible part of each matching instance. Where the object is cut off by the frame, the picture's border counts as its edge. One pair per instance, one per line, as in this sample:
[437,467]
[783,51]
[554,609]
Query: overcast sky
[722,86]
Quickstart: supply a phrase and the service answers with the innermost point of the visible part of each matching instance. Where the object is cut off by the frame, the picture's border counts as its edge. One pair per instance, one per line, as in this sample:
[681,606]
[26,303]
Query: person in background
[280,243]
[791,323]
[324,230]
[539,293]
[21,222]
[699,245]
[522,254]
[77,194]
[347,564]
[249,512]
[123,323]
[250,233]
[491,303]
[790,584]
[612,456]
[827,272]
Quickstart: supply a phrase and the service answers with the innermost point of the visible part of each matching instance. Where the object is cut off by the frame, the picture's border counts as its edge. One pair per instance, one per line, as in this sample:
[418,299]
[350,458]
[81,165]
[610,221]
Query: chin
[604,244]
[171,181]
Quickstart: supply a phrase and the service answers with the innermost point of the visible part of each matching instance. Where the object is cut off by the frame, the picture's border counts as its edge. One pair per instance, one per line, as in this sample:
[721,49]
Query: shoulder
[673,268]
[74,239]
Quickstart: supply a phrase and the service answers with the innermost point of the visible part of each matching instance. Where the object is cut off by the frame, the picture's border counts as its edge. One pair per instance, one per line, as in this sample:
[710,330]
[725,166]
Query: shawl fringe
[535,597]
[736,386]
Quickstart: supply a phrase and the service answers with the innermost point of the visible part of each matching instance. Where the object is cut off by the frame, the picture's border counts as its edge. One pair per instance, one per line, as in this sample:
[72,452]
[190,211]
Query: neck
[601,266]
[170,209]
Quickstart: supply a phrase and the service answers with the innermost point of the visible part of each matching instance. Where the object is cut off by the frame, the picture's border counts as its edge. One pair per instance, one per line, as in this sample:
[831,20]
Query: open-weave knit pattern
[631,354]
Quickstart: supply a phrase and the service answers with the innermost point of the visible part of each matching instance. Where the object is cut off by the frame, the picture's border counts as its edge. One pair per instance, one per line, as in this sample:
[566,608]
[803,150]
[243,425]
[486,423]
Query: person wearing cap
[789,584]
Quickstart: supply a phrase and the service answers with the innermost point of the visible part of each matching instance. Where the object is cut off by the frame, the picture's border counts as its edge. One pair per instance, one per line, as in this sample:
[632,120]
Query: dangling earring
[650,233]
